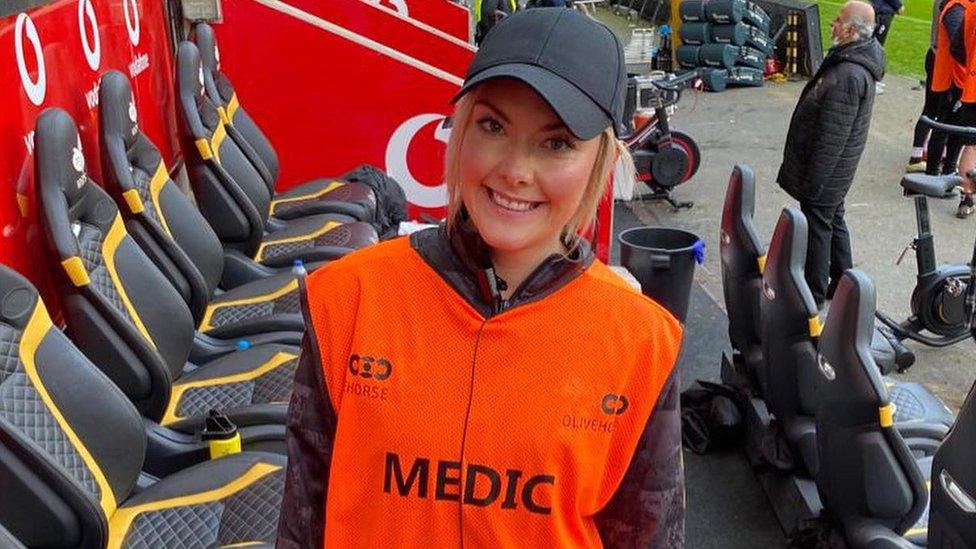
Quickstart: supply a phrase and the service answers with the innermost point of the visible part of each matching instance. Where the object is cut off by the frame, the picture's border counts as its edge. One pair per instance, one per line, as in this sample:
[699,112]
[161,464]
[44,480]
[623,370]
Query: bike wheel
[691,149]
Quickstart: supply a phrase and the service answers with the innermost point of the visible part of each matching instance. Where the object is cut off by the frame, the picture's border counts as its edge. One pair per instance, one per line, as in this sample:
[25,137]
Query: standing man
[825,140]
[884,15]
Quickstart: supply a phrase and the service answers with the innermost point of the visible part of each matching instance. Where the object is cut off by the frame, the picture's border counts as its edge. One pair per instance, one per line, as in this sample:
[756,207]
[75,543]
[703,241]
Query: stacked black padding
[728,37]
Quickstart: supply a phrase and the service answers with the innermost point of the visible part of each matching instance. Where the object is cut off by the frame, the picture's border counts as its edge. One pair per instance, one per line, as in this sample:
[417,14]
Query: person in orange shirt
[488,382]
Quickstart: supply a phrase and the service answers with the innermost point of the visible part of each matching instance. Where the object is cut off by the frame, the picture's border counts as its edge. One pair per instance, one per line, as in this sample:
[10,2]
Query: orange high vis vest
[459,430]
[949,72]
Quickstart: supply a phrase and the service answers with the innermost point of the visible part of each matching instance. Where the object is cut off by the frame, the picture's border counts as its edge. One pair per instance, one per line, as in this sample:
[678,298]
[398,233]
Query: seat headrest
[207,44]
[737,213]
[788,254]
[17,298]
[59,157]
[117,106]
[190,83]
[849,330]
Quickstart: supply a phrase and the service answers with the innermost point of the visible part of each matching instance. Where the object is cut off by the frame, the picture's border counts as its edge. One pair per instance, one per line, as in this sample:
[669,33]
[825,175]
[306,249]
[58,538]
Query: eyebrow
[558,125]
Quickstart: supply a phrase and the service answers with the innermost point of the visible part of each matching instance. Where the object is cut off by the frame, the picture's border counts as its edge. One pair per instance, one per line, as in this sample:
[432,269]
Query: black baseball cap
[575,63]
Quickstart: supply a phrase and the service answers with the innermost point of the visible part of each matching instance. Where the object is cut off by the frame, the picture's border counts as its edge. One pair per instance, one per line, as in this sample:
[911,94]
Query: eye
[560,144]
[490,125]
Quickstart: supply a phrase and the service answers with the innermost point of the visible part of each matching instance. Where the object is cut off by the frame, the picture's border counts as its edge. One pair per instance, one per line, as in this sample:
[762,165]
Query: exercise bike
[664,158]
[942,301]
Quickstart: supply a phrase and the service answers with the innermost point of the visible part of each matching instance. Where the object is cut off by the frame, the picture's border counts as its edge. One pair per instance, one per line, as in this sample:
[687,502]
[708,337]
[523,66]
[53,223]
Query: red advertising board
[450,17]
[353,101]
[419,40]
[53,56]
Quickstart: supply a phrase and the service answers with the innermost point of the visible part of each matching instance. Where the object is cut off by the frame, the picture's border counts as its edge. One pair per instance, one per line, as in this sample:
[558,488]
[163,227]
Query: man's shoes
[966,207]
[915,165]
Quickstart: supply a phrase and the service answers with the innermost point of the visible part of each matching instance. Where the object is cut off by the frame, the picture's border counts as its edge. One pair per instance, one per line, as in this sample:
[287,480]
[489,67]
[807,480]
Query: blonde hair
[611,151]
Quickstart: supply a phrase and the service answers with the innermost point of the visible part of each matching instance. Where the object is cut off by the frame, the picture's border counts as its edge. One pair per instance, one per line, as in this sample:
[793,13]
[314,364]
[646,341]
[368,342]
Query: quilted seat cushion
[325,196]
[268,304]
[231,501]
[313,239]
[256,377]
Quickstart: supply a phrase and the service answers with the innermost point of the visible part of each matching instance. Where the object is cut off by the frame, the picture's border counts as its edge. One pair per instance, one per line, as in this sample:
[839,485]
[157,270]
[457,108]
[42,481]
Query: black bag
[696,33]
[745,76]
[688,56]
[715,79]
[391,202]
[750,57]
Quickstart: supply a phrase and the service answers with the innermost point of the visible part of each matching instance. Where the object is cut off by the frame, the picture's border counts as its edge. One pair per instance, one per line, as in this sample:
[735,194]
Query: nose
[516,166]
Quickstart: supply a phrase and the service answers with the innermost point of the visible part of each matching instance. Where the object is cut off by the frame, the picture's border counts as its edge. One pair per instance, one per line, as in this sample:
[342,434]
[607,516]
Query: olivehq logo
[368,367]
[614,405]
[448,485]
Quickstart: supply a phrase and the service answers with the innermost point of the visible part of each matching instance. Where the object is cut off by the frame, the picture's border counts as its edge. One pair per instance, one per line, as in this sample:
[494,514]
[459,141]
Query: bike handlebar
[964,131]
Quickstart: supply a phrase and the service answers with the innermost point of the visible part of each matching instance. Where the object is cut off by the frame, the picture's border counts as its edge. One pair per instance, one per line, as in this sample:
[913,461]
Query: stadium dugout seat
[171,231]
[126,317]
[869,480]
[235,199]
[72,449]
[326,195]
[791,329]
[952,520]
[743,257]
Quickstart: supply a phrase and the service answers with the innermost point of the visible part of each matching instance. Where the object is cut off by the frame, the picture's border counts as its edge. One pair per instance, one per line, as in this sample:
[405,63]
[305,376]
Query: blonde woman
[488,383]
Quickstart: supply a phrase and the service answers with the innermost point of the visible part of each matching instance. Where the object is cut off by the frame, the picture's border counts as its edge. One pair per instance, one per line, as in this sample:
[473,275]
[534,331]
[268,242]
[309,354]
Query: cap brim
[582,116]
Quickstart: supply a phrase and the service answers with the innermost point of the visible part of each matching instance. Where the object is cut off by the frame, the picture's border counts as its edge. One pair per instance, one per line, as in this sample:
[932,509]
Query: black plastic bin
[663,261]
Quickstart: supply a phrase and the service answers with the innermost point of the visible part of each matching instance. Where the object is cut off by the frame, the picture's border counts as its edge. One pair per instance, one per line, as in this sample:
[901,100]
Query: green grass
[908,39]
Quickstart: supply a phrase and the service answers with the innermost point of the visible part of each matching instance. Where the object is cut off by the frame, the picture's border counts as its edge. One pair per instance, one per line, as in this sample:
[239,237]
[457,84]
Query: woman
[487,382]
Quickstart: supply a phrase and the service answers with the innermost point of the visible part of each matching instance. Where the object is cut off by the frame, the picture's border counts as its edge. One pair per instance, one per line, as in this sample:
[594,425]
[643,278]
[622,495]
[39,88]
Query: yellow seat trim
[232,107]
[243,544]
[210,148]
[223,116]
[112,241]
[314,234]
[134,201]
[816,327]
[75,268]
[328,188]
[37,328]
[121,521]
[886,414]
[176,394]
[159,180]
[762,263]
[213,308]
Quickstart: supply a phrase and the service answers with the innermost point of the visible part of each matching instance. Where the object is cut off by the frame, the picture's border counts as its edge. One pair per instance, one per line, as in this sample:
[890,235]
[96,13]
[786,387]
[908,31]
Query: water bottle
[298,268]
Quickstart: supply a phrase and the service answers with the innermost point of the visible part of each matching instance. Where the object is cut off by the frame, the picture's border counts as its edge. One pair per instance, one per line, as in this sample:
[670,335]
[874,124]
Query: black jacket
[830,124]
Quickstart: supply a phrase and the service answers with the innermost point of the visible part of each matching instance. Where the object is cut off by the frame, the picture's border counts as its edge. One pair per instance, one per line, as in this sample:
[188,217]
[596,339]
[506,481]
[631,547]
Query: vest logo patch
[368,367]
[482,486]
[614,405]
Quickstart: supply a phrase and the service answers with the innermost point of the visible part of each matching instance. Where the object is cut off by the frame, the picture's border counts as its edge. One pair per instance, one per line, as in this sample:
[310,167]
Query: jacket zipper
[464,431]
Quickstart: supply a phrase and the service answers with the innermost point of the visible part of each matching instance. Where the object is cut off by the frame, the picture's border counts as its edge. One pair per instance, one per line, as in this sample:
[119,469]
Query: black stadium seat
[742,265]
[123,313]
[790,332]
[171,231]
[236,201]
[327,195]
[952,520]
[870,482]
[72,448]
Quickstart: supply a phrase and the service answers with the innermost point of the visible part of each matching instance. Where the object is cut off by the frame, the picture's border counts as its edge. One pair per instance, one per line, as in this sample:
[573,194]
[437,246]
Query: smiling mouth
[512,204]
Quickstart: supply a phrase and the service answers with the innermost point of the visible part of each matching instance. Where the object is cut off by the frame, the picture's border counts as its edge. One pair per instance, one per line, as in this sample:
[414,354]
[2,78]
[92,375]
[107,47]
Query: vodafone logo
[93,51]
[398,168]
[35,89]
[131,10]
[399,5]
[133,114]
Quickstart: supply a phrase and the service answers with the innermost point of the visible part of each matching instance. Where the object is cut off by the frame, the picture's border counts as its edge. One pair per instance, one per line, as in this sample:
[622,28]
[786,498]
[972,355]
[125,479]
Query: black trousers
[882,26]
[932,102]
[828,248]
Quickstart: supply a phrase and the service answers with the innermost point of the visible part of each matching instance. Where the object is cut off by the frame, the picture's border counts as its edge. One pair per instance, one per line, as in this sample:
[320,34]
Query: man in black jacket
[825,140]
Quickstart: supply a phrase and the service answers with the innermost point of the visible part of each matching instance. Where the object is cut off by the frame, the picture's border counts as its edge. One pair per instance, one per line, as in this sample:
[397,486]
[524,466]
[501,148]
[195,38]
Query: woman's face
[522,172]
